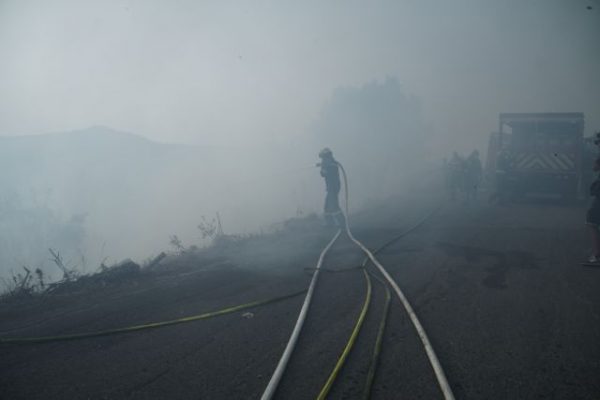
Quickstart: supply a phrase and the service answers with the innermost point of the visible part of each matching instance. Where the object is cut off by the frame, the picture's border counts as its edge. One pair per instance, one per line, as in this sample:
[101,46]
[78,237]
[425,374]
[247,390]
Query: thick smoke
[100,195]
[254,91]
[379,133]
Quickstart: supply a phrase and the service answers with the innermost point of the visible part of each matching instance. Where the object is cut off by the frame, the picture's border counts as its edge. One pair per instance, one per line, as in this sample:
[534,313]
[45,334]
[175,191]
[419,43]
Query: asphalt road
[508,309]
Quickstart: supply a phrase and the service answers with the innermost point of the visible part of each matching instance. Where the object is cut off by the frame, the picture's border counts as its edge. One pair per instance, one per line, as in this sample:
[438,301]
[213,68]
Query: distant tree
[377,131]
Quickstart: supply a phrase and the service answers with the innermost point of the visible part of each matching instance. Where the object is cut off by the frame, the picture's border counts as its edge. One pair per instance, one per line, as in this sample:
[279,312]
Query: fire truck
[542,154]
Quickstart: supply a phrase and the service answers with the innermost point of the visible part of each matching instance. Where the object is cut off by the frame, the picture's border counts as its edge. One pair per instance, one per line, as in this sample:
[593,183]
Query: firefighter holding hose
[330,171]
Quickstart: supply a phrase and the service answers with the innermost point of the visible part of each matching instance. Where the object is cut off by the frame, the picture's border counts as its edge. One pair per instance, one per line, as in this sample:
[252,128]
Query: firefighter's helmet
[326,152]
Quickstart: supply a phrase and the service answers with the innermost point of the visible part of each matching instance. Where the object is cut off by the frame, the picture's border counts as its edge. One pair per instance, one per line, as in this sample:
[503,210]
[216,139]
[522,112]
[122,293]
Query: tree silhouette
[377,131]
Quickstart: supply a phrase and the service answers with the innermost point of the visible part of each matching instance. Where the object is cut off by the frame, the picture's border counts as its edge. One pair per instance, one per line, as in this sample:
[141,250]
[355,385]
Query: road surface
[499,290]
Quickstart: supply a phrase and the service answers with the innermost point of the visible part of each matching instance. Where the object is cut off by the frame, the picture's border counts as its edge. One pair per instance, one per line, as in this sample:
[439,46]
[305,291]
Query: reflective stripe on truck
[545,161]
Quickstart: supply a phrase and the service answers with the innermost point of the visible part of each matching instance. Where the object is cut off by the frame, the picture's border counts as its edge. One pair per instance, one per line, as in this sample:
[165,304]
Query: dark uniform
[456,175]
[503,169]
[330,171]
[474,175]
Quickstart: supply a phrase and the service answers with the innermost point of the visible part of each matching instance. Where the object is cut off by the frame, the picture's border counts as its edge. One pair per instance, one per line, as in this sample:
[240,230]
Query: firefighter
[456,175]
[330,171]
[474,172]
[503,167]
[592,219]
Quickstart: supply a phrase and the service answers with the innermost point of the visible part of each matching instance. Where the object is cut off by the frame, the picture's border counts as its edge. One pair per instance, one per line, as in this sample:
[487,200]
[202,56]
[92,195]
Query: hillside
[98,193]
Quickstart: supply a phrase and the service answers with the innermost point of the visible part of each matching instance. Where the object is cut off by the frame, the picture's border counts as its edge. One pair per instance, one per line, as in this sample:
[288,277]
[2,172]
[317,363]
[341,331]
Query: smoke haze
[250,92]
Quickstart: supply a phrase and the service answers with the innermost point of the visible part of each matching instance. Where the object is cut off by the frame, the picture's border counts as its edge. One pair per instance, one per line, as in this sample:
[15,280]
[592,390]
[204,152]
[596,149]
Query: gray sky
[260,71]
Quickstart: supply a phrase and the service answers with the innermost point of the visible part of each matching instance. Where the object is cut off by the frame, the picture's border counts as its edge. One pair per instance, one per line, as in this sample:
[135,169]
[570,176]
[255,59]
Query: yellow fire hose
[152,325]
